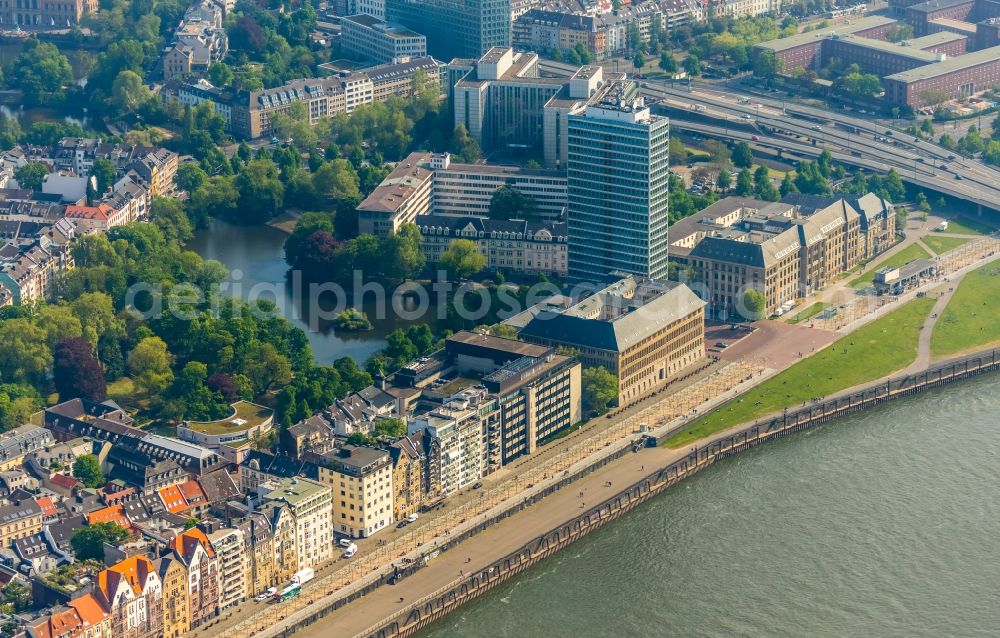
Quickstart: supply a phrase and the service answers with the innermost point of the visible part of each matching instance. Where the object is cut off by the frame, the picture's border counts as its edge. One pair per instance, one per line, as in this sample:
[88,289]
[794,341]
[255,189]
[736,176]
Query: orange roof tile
[132,570]
[192,491]
[185,543]
[102,212]
[90,610]
[172,499]
[113,514]
[48,507]
[58,623]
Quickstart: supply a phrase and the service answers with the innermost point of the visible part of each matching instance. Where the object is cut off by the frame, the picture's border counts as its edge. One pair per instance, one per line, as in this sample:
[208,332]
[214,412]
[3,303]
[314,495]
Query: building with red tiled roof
[64,484]
[49,511]
[173,499]
[61,622]
[193,550]
[193,494]
[120,587]
[112,514]
[96,620]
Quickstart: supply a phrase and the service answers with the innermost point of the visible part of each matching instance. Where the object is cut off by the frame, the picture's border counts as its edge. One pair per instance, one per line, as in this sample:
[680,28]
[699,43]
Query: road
[806,131]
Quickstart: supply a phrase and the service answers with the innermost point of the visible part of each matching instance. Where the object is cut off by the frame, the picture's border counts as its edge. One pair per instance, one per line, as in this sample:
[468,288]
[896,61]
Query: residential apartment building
[285,560]
[374,8]
[455,28]
[645,332]
[431,184]
[193,550]
[45,14]
[513,246]
[23,440]
[783,249]
[132,594]
[259,539]
[617,186]
[360,480]
[367,36]
[309,504]
[248,114]
[20,518]
[411,480]
[233,566]
[537,392]
[456,428]
[176,613]
[199,41]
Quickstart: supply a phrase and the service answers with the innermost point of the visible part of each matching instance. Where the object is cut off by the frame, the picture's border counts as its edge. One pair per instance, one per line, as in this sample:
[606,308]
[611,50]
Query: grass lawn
[874,351]
[908,254]
[121,389]
[970,319]
[969,226]
[943,244]
[809,312]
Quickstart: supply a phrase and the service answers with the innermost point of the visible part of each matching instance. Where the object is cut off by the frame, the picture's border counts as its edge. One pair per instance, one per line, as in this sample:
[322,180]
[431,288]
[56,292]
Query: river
[882,524]
[254,256]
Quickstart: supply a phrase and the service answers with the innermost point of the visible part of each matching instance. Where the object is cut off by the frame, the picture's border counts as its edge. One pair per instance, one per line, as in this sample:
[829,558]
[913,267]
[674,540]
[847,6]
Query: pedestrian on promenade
[400,599]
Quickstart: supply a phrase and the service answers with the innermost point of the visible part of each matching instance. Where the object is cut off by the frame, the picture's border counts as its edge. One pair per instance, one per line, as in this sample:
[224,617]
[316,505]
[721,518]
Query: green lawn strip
[882,347]
[942,245]
[969,226]
[809,312]
[970,319]
[908,254]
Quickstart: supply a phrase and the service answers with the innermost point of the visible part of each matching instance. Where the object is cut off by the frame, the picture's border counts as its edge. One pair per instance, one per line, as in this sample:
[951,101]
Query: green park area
[809,312]
[882,347]
[941,245]
[969,226]
[969,322]
[905,256]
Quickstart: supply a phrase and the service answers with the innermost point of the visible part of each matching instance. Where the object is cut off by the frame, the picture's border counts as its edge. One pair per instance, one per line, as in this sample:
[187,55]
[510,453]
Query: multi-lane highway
[805,131]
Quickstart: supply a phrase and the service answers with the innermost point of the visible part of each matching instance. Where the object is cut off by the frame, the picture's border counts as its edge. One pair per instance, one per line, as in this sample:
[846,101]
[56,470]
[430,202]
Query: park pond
[254,256]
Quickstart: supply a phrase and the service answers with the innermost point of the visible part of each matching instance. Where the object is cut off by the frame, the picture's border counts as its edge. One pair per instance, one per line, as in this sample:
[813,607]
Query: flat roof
[408,175]
[952,23]
[896,48]
[498,343]
[948,65]
[388,28]
[295,490]
[934,5]
[799,39]
[933,39]
[245,415]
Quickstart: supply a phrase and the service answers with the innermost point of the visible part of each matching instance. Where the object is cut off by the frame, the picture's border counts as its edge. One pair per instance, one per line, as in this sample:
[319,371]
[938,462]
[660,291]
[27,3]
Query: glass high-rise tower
[618,174]
[455,28]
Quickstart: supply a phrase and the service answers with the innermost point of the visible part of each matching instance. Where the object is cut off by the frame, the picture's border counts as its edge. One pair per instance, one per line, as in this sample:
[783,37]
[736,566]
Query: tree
[41,71]
[639,61]
[31,175]
[599,387]
[307,224]
[17,404]
[17,596]
[337,180]
[88,469]
[267,367]
[128,92]
[76,372]
[360,439]
[743,155]
[767,65]
[744,183]
[667,62]
[464,147]
[898,32]
[24,353]
[508,202]
[678,154]
[787,185]
[922,202]
[88,541]
[190,177]
[401,255]
[104,171]
[462,259]
[390,428]
[724,180]
[59,323]
[149,362]
[261,193]
[219,74]
[96,312]
[763,188]
[692,65]
[754,303]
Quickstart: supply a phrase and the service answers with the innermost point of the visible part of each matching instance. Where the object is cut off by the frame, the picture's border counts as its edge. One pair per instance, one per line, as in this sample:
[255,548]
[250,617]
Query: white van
[352,549]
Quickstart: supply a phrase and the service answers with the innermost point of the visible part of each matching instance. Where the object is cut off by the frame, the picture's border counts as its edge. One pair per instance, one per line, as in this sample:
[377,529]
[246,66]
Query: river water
[883,524]
[254,256]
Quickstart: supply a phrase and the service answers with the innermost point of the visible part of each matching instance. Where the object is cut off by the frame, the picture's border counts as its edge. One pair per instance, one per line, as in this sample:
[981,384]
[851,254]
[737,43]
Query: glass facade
[455,28]
[617,187]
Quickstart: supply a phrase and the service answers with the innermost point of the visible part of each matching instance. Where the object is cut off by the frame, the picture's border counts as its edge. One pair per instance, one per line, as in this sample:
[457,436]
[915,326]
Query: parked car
[412,518]
[345,542]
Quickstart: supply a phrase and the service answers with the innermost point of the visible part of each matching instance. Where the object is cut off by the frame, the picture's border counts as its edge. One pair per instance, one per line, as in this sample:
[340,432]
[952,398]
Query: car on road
[754,138]
[889,133]
[477,485]
[951,157]
[817,127]
[412,518]
[401,524]
[351,551]
[345,542]
[721,345]
[957,176]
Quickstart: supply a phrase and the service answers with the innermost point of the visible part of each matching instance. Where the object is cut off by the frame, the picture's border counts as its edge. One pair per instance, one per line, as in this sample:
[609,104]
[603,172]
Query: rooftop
[936,5]
[800,39]
[245,415]
[295,490]
[518,348]
[389,29]
[983,56]
[906,49]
